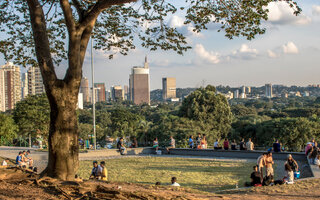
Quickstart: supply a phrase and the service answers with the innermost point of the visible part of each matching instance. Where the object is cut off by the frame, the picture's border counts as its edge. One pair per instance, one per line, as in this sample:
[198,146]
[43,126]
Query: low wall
[115,152]
[236,154]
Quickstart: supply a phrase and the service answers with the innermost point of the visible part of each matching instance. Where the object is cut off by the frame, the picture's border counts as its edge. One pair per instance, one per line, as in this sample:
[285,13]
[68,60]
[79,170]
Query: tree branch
[79,9]
[101,5]
[42,45]
[67,11]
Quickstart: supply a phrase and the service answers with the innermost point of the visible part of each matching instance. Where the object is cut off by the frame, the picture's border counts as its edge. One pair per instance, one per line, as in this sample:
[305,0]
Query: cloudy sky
[289,54]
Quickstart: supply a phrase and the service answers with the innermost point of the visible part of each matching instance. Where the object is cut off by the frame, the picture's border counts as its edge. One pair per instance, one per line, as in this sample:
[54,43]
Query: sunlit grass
[205,175]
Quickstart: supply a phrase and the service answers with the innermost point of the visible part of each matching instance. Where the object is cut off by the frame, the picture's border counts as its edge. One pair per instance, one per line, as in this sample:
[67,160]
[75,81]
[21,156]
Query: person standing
[242,145]
[276,146]
[261,162]
[198,141]
[121,146]
[293,164]
[190,142]
[250,145]
[226,144]
[269,163]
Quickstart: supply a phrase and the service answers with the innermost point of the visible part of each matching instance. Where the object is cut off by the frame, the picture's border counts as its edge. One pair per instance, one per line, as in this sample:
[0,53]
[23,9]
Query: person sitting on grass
[96,171]
[156,144]
[256,176]
[174,182]
[19,160]
[172,144]
[27,159]
[120,146]
[5,163]
[104,171]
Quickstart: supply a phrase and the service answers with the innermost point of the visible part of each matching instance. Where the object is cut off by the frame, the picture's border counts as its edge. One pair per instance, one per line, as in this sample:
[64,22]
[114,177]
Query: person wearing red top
[226,144]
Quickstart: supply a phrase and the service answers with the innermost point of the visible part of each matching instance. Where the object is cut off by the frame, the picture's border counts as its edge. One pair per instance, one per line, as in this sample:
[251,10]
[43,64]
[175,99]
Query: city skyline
[287,54]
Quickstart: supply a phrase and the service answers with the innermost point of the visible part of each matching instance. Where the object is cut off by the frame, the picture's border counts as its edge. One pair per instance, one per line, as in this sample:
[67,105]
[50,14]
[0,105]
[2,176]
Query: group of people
[265,161]
[24,159]
[172,144]
[99,172]
[200,142]
[312,152]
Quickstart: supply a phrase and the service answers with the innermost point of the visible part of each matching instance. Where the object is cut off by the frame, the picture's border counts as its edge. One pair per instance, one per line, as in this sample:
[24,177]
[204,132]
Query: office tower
[139,88]
[84,89]
[35,83]
[268,88]
[168,88]
[24,82]
[236,94]
[100,91]
[108,95]
[117,93]
[126,92]
[243,89]
[248,90]
[10,86]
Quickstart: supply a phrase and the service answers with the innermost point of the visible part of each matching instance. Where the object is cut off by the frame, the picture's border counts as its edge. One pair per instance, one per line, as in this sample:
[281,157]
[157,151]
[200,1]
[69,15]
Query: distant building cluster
[138,90]
[15,86]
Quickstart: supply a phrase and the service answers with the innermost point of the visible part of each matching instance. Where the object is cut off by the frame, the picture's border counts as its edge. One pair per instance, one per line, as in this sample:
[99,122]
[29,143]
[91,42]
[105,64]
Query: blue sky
[289,54]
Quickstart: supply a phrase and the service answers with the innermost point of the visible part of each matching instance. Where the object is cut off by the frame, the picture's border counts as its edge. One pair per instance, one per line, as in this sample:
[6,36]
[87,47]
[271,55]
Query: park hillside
[45,33]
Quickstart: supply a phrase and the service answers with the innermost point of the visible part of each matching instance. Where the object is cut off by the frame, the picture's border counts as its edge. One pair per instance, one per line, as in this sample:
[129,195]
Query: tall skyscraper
[117,93]
[35,83]
[84,89]
[126,92]
[24,82]
[236,94]
[243,89]
[168,88]
[101,92]
[139,86]
[268,88]
[10,86]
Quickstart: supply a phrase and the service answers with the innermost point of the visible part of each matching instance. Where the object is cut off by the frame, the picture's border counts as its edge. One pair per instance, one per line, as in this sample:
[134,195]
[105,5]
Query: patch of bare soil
[17,184]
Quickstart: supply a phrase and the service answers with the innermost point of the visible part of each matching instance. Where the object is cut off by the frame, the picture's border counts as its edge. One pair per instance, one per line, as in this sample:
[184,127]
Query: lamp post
[93,99]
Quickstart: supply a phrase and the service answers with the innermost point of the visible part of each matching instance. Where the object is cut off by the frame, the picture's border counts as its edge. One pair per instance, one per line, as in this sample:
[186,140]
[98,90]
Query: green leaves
[8,129]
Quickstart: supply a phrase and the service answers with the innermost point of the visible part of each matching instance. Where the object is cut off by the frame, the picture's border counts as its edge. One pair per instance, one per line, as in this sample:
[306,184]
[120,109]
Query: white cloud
[281,13]
[245,52]
[272,54]
[208,56]
[177,22]
[316,10]
[187,30]
[290,48]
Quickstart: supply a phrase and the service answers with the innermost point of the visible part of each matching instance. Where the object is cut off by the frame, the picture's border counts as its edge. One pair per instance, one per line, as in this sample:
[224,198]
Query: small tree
[39,30]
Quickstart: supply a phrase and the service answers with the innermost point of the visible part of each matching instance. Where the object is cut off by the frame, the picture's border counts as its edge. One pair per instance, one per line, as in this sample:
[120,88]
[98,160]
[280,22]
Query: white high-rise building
[10,86]
[35,83]
[24,82]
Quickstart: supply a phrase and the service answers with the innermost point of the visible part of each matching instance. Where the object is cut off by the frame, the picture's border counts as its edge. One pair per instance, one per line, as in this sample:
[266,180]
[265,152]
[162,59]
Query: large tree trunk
[63,135]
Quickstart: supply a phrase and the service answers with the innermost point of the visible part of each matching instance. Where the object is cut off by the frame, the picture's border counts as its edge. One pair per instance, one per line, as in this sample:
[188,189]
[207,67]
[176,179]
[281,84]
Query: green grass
[200,174]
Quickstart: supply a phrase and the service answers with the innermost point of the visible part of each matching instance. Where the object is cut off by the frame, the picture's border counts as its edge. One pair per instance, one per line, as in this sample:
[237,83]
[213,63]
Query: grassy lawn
[200,174]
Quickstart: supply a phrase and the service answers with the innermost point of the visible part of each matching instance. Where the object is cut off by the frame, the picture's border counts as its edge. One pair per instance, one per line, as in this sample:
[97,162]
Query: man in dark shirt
[276,146]
[255,176]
